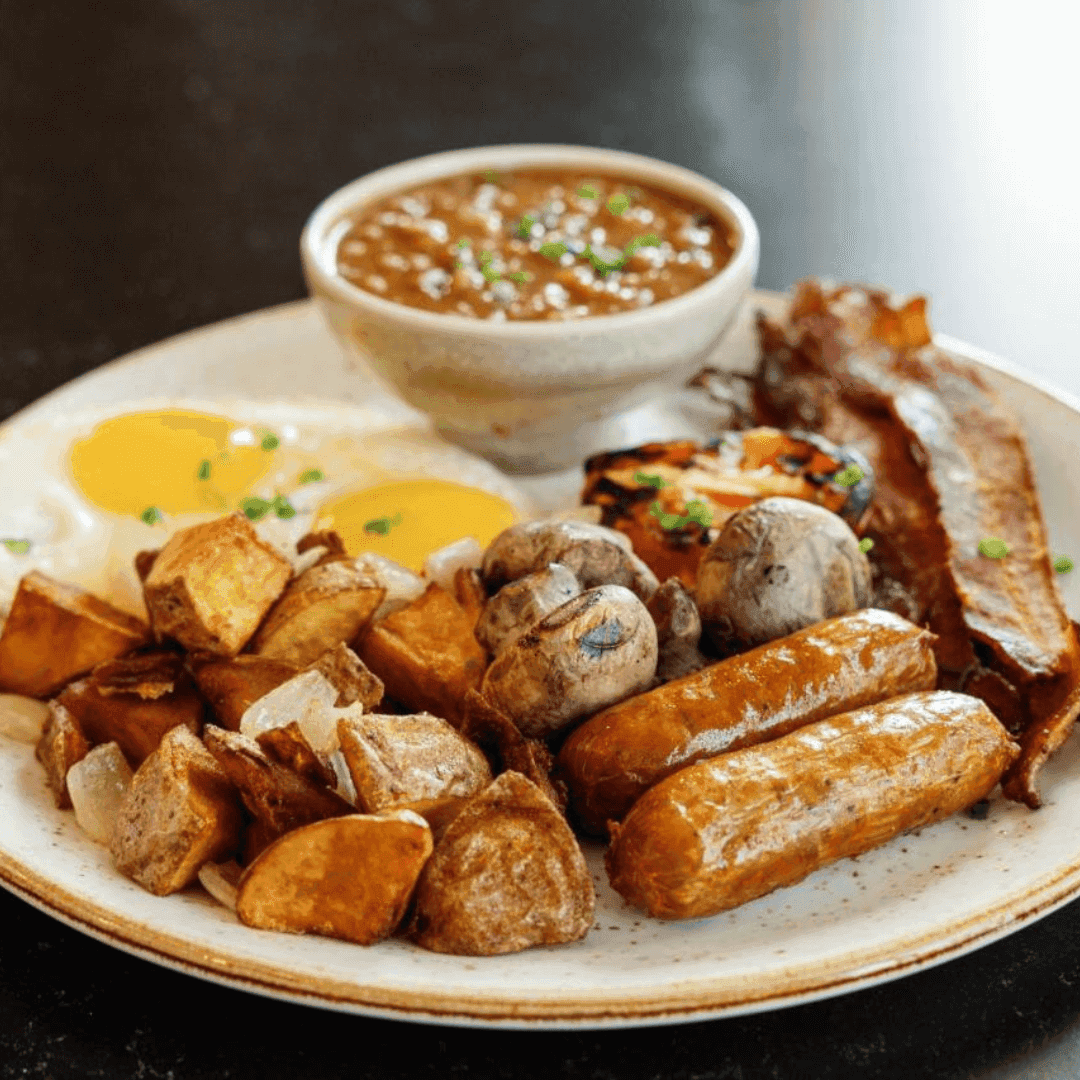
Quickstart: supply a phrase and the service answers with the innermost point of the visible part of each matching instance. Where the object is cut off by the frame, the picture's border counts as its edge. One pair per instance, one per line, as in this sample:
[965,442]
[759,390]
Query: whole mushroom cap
[776,567]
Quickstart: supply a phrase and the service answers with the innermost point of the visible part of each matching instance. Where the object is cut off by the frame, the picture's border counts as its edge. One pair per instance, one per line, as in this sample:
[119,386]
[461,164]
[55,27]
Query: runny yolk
[408,519]
[179,462]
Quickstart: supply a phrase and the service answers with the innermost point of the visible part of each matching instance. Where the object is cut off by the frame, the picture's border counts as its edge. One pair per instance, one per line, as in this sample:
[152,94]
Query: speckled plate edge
[696,1000]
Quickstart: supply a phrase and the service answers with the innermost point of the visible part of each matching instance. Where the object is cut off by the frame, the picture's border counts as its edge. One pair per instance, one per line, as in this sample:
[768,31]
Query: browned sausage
[731,829]
[828,668]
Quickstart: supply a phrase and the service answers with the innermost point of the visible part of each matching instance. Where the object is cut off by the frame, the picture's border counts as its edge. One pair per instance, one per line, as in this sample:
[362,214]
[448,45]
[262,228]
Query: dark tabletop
[157,161]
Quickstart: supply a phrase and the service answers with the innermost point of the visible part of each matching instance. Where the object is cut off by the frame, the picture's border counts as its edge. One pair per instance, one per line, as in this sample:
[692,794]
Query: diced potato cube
[351,678]
[56,632]
[97,785]
[134,701]
[349,878]
[325,606]
[180,812]
[233,685]
[62,743]
[22,718]
[211,585]
[426,655]
[506,875]
[404,759]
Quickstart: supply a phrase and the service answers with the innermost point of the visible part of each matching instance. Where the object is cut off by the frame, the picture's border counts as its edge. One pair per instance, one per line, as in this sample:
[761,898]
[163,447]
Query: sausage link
[728,830]
[829,668]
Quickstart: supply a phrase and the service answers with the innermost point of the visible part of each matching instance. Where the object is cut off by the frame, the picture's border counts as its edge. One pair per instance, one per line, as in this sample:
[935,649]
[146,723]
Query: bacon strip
[952,468]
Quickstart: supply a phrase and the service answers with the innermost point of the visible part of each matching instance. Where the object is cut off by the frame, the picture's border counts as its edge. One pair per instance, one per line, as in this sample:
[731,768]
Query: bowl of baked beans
[525,296]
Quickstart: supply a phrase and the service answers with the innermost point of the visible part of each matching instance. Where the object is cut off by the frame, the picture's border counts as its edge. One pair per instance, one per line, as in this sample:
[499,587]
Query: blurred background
[158,158]
[157,161]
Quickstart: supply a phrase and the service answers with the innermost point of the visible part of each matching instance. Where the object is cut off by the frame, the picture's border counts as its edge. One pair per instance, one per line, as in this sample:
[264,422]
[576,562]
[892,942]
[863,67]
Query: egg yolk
[408,519]
[179,462]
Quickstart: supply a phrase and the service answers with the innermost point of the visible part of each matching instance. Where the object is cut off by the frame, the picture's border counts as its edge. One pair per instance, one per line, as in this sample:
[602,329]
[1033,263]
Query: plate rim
[694,1000]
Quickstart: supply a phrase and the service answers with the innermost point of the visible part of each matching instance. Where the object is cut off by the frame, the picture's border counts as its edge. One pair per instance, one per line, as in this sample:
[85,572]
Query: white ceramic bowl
[532,396]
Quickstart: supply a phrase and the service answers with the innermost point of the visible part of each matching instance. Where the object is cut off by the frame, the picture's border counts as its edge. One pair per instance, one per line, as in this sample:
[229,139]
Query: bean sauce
[533,244]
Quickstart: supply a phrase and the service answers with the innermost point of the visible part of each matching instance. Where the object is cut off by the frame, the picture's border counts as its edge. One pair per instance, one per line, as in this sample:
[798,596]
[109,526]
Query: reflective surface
[156,164]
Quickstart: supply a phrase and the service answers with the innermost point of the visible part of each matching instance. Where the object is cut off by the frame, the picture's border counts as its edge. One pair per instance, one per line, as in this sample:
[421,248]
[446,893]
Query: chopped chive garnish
[490,273]
[270,441]
[699,513]
[848,476]
[524,229]
[553,251]
[645,240]
[17,547]
[587,191]
[463,242]
[520,276]
[865,544]
[1063,564]
[601,266]
[254,507]
[204,469]
[382,525]
[650,479]
[696,512]
[618,204]
[493,176]
[310,476]
[283,508]
[993,548]
[634,192]
[151,515]
[484,258]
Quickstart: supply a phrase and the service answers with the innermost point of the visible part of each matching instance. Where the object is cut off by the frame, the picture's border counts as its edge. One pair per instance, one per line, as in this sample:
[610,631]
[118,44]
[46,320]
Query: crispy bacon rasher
[952,468]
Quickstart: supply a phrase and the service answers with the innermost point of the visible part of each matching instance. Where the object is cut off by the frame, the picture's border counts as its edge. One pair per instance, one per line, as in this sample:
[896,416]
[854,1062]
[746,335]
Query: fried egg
[104,484]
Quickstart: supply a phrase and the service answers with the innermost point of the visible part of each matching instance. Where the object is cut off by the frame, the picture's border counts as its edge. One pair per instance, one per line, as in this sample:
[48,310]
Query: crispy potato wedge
[211,585]
[426,654]
[61,745]
[327,605]
[180,812]
[279,799]
[56,632]
[134,701]
[233,685]
[404,759]
[349,877]
[507,874]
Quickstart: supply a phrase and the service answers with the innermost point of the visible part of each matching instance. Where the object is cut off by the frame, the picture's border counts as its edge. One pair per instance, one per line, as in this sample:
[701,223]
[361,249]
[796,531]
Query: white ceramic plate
[917,901]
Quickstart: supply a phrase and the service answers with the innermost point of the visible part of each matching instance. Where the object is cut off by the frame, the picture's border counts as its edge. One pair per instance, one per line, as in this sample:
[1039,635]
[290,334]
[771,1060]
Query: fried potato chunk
[350,676]
[61,745]
[325,606]
[233,685]
[180,812]
[507,874]
[279,799]
[134,701]
[56,632]
[211,585]
[349,878]
[404,759]
[426,654]
[288,746]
